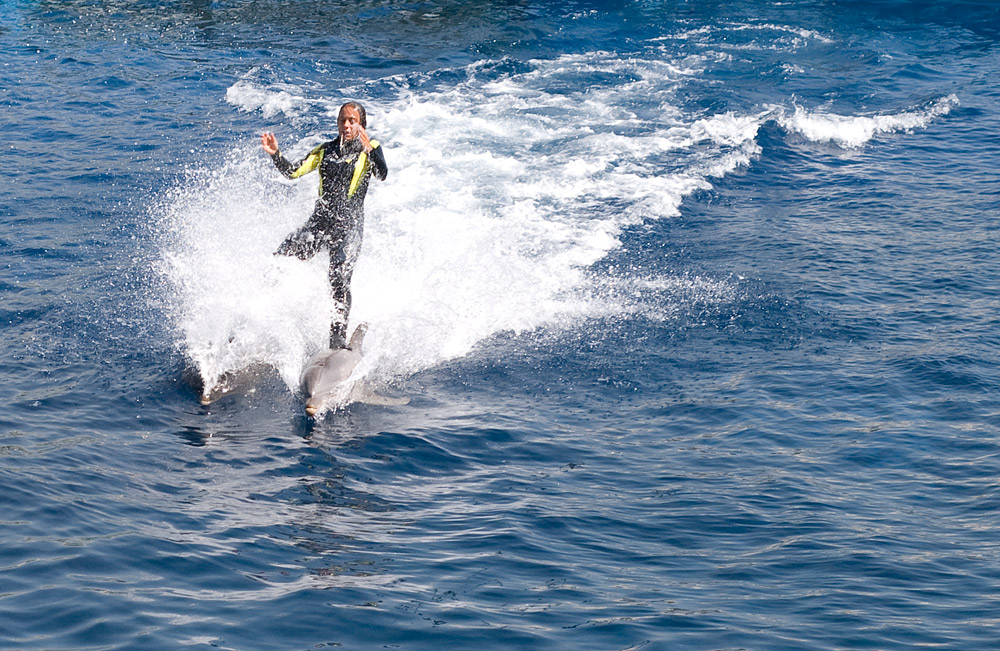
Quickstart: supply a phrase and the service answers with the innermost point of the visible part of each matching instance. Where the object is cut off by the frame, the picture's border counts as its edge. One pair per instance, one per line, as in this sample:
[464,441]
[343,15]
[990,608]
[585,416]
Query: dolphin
[242,380]
[325,373]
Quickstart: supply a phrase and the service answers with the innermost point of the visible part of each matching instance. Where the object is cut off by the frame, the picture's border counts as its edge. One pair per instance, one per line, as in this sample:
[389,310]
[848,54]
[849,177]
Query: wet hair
[360,109]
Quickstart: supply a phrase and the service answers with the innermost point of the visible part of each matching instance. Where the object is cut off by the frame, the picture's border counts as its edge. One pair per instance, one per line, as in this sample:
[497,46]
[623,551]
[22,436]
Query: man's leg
[341,270]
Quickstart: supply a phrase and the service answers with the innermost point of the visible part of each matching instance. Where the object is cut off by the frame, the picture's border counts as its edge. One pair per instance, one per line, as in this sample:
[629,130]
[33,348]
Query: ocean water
[695,305]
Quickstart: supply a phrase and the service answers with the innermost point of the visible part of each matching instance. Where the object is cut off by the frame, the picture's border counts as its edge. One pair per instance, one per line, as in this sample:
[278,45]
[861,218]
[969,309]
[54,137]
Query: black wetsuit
[337,221]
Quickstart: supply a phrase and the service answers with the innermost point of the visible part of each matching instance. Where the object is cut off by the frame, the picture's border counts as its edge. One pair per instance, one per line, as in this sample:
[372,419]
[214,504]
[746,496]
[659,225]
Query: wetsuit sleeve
[306,165]
[379,168]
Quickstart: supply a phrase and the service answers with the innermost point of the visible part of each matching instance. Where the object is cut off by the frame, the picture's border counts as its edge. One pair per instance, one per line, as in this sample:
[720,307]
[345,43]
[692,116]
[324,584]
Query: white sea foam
[273,101]
[856,131]
[504,189]
[788,36]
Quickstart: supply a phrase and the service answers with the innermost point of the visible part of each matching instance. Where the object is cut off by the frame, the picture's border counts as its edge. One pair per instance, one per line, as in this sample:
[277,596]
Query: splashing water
[504,189]
[235,303]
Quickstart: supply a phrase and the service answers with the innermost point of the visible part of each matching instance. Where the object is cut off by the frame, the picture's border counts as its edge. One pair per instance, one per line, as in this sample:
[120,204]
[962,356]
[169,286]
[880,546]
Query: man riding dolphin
[345,167]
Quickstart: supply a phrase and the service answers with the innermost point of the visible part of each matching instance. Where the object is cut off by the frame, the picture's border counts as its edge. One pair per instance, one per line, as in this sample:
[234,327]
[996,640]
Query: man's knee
[302,244]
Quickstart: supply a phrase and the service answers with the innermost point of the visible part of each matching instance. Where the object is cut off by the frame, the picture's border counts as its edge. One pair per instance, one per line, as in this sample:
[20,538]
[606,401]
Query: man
[345,167]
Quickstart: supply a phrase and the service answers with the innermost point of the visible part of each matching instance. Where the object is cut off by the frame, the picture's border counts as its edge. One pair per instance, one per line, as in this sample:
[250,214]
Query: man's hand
[365,142]
[269,143]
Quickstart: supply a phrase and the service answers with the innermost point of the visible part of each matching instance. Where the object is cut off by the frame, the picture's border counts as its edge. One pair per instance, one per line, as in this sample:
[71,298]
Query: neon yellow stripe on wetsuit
[315,158]
[311,162]
[361,168]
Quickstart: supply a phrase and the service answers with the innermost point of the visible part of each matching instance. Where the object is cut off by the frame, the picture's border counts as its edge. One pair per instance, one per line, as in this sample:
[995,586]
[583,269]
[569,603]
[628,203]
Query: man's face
[348,123]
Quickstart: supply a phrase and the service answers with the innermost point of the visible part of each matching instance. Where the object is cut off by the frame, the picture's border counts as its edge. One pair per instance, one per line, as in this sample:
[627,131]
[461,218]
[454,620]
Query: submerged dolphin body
[241,380]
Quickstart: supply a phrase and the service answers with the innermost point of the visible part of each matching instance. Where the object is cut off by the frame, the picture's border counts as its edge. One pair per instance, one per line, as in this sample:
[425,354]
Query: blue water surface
[700,327]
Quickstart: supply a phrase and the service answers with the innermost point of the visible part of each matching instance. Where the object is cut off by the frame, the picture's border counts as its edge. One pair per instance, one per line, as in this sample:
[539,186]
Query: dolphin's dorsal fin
[358,337]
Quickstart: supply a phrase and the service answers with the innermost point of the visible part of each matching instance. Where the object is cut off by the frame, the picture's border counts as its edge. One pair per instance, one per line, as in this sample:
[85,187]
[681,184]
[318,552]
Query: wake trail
[494,228]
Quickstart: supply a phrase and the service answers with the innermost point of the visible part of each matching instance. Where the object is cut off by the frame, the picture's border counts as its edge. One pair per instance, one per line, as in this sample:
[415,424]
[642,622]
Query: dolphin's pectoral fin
[385,401]
[366,395]
[320,404]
